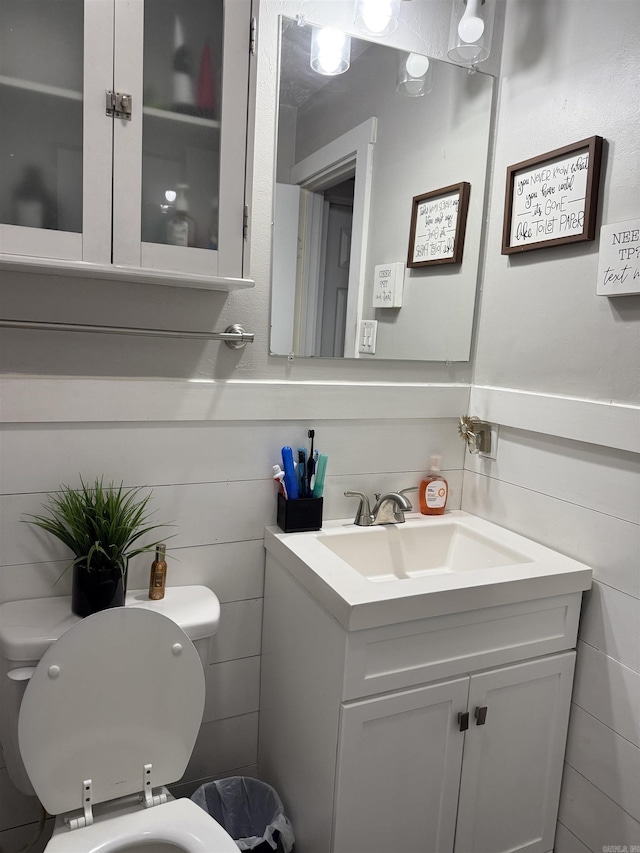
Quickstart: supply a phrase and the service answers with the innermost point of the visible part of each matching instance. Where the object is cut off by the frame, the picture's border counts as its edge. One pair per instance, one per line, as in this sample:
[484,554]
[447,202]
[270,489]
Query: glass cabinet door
[41,90]
[192,137]
[56,63]
[181,122]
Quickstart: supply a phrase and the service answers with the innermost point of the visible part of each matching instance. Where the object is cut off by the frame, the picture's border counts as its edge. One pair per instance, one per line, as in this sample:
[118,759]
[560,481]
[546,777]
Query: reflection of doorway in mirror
[346,158]
[335,252]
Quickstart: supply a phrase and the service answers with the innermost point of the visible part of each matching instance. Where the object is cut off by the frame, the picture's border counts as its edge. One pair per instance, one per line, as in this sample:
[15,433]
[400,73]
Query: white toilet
[109,716]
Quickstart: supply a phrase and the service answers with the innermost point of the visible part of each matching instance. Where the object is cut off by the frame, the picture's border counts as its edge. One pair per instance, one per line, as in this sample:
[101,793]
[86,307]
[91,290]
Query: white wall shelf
[84,269]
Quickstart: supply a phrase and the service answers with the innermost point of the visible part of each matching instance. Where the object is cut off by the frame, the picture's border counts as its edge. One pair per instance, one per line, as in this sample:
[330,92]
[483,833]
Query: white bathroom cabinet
[104,185]
[364,733]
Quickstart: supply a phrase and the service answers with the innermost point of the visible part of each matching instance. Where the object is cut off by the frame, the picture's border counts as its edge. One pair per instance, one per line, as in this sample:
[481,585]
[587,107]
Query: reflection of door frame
[351,151]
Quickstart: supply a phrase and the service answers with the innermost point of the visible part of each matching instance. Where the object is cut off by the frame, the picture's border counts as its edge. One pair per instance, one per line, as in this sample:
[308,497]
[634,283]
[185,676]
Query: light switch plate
[368,334]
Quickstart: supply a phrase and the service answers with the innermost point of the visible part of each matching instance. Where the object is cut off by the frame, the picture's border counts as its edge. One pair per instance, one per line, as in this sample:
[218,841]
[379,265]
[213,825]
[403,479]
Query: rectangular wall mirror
[353,151]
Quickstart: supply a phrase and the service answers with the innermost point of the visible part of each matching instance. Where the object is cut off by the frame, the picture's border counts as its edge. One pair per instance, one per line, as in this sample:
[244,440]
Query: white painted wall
[547,348]
[570,71]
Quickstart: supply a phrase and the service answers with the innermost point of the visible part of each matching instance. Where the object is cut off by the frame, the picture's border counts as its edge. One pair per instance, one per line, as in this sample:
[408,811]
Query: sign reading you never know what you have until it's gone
[619,259]
[552,199]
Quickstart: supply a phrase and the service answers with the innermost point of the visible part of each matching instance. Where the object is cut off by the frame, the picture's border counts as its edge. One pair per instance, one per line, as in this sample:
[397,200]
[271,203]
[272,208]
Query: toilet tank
[29,627]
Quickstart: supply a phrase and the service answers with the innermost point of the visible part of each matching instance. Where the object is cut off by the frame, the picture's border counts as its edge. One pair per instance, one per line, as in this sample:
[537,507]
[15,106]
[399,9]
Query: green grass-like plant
[99,524]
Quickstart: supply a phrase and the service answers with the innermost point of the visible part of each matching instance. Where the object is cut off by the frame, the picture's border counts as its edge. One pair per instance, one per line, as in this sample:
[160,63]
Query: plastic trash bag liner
[249,810]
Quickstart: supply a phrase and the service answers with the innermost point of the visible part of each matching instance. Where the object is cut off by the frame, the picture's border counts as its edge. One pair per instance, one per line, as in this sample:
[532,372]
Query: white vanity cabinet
[84,192]
[441,735]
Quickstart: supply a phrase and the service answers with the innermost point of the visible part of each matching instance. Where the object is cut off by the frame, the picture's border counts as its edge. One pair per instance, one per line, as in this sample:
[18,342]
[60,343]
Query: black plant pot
[96,590]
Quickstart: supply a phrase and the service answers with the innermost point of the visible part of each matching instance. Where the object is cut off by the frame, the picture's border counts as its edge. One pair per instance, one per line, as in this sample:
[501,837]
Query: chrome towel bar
[234,336]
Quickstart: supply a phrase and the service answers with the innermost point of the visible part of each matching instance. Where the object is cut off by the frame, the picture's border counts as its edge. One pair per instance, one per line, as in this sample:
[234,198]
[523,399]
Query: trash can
[250,811]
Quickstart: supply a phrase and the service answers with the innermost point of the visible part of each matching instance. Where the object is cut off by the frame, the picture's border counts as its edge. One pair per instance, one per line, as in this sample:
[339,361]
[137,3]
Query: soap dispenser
[434,490]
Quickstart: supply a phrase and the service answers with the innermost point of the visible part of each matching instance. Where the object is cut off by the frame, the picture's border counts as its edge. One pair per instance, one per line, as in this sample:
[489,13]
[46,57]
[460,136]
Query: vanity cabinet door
[512,765]
[398,771]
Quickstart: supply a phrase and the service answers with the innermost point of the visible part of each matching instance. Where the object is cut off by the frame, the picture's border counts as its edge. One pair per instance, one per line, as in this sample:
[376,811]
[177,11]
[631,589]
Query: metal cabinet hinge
[252,36]
[245,223]
[118,104]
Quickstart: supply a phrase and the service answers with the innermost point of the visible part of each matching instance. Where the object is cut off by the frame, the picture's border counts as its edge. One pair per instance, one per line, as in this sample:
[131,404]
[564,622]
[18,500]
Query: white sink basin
[428,566]
[401,551]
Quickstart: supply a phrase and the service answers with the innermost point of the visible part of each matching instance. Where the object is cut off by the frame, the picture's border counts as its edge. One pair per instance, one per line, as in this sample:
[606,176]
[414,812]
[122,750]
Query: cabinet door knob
[480,714]
[463,720]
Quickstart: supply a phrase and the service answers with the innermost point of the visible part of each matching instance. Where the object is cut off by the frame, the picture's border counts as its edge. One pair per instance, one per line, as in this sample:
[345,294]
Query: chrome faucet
[389,509]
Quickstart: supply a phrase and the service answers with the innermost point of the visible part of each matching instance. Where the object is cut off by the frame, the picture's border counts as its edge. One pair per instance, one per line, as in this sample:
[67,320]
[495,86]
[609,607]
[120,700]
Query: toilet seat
[117,700]
[178,822]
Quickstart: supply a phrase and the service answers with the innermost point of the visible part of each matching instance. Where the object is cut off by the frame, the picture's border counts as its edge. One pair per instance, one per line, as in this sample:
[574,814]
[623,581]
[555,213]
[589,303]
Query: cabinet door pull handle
[463,720]
[480,715]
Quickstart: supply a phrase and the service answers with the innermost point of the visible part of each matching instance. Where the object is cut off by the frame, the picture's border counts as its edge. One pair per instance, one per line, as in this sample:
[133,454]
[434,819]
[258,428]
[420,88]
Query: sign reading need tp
[619,263]
[388,285]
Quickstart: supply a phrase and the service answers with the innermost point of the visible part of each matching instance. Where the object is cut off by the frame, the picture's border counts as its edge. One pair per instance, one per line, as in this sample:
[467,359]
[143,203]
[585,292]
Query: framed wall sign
[438,222]
[553,199]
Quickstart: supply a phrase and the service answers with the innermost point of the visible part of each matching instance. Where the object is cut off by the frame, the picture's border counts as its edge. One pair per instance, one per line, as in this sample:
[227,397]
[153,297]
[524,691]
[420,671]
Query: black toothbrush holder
[300,515]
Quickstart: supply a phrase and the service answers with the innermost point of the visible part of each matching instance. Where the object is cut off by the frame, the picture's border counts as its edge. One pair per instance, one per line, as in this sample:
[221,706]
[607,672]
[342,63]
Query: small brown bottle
[158,574]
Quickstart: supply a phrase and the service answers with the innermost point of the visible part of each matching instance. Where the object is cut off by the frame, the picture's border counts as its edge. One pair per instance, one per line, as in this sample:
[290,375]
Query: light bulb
[377,17]
[170,196]
[471,26]
[330,51]
[417,65]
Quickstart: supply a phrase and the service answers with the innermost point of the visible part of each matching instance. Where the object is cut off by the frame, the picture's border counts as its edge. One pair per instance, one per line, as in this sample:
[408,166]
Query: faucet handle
[363,513]
[408,489]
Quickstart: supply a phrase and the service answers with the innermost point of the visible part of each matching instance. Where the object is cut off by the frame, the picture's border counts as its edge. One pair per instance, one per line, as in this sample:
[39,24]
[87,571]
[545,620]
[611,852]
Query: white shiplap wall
[209,471]
[582,499]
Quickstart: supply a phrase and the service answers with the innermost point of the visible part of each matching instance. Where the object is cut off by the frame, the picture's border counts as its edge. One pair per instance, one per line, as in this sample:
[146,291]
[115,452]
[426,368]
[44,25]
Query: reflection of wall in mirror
[422,144]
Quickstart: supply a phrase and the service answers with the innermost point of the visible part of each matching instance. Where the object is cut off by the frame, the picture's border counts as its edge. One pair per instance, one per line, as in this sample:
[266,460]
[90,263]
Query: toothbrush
[278,476]
[318,487]
[313,466]
[312,463]
[289,473]
[302,472]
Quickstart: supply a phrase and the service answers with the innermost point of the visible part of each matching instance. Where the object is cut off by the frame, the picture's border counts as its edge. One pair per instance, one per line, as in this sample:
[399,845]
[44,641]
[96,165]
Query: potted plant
[102,526]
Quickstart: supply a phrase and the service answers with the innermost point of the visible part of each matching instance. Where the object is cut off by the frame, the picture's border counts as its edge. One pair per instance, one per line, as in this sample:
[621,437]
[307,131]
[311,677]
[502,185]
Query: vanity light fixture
[330,51]
[470,31]
[376,17]
[415,75]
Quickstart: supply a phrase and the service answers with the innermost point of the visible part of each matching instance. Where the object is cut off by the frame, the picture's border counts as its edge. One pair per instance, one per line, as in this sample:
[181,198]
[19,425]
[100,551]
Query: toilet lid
[119,690]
